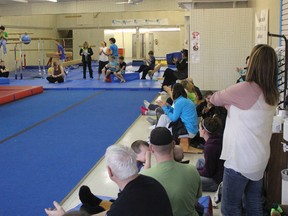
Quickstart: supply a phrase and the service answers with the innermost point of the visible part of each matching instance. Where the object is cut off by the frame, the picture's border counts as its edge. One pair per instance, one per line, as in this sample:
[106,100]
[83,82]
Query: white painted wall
[273,7]
[225,41]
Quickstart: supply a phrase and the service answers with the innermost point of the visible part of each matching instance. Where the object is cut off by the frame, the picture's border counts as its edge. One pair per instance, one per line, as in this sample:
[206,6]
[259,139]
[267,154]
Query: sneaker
[143,110]
[146,103]
[218,194]
[151,120]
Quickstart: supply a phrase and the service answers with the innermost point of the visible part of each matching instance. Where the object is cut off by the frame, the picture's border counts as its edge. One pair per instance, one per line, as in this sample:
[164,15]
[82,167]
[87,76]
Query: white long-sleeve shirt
[248,130]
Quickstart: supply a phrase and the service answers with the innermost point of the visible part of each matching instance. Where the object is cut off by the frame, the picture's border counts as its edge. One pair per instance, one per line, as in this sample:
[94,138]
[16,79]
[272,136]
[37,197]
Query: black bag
[178,128]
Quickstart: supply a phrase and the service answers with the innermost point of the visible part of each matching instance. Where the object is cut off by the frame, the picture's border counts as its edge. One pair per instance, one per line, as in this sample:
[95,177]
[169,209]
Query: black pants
[169,78]
[4,74]
[55,79]
[101,66]
[145,70]
[89,68]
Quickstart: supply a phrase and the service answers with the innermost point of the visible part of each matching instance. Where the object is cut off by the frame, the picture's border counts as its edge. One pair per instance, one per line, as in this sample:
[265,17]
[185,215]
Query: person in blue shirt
[109,68]
[182,109]
[113,48]
[60,51]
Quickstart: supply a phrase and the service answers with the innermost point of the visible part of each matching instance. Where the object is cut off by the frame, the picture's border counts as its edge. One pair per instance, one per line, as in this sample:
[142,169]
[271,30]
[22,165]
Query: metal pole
[39,60]
[15,57]
[43,59]
[21,62]
[286,64]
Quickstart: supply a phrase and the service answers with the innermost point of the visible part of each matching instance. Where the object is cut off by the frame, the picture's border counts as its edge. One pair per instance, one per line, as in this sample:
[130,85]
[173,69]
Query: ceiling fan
[131,2]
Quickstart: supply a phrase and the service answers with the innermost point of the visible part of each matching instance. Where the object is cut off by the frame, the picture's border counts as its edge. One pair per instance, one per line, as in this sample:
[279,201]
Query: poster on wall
[195,47]
[261,27]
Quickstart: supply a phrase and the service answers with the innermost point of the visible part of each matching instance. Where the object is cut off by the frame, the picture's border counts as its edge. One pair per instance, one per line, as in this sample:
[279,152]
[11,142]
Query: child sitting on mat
[3,71]
[121,69]
[109,68]
[141,148]
[56,73]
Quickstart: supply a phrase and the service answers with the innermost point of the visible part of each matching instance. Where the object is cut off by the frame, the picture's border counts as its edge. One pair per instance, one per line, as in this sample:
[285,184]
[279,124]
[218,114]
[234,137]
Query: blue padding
[137,62]
[171,56]
[127,77]
[206,202]
[4,80]
[172,66]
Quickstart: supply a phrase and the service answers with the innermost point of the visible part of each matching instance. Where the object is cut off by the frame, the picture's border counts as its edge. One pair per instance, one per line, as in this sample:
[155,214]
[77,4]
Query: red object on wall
[121,51]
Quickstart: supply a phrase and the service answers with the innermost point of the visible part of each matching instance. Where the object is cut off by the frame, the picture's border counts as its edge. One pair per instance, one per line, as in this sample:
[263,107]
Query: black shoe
[87,197]
[84,77]
[91,210]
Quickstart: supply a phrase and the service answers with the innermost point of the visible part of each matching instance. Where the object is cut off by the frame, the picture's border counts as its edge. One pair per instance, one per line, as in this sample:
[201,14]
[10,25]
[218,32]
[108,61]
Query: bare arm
[168,90]
[148,160]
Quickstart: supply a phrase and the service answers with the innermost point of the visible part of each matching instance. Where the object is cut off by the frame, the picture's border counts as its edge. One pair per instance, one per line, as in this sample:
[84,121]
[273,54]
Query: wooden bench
[185,145]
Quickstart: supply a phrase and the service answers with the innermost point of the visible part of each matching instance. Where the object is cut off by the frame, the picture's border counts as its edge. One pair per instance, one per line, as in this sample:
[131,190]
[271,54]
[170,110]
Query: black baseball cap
[160,136]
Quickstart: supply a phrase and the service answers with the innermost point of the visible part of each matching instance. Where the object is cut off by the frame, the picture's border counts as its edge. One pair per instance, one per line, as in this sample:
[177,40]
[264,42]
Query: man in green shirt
[181,181]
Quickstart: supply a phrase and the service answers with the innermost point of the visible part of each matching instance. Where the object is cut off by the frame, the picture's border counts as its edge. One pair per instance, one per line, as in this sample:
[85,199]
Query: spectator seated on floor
[211,167]
[181,117]
[3,70]
[109,68]
[190,90]
[197,90]
[181,181]
[207,109]
[139,195]
[120,69]
[170,76]
[141,148]
[56,73]
[150,64]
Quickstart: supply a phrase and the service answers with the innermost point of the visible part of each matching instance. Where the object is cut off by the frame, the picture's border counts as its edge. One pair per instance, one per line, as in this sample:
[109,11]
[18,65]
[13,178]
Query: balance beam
[19,33]
[72,62]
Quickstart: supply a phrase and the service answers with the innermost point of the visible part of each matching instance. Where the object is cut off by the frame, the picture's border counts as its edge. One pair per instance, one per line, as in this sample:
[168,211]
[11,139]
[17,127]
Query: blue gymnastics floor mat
[55,139]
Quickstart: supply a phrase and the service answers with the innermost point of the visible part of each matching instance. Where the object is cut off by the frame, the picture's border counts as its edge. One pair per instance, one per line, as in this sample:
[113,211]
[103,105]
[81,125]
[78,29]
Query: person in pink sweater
[246,141]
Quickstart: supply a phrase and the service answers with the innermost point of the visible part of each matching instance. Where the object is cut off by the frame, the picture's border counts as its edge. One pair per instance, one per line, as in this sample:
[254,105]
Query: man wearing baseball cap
[181,181]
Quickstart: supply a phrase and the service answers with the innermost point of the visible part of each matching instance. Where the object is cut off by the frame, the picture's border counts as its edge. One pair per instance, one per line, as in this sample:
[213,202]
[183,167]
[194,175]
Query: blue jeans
[3,43]
[240,192]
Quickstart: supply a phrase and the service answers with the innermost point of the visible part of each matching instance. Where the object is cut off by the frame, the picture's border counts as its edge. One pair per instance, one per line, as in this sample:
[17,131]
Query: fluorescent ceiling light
[52,0]
[141,30]
[22,1]
[112,31]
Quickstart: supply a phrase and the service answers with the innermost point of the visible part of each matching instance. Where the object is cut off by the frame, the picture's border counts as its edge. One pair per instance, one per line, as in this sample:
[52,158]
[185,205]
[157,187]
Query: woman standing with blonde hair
[103,57]
[86,52]
[246,142]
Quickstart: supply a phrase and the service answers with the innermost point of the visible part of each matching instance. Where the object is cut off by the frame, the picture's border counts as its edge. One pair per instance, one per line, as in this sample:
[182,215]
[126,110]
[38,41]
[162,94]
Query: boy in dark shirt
[121,69]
